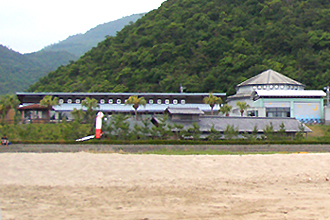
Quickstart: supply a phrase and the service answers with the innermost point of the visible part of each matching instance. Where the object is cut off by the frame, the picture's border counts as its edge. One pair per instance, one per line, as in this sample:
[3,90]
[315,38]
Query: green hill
[206,46]
[18,71]
[81,43]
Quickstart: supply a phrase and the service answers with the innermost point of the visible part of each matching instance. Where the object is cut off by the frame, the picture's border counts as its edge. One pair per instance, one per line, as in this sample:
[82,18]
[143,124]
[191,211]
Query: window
[278,112]
[175,101]
[118,101]
[159,101]
[61,101]
[110,101]
[77,101]
[151,101]
[167,101]
[102,101]
[69,101]
[252,113]
[183,102]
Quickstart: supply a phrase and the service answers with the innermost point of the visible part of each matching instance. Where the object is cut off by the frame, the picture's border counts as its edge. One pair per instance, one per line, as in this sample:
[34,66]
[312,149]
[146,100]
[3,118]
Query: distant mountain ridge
[18,71]
[81,43]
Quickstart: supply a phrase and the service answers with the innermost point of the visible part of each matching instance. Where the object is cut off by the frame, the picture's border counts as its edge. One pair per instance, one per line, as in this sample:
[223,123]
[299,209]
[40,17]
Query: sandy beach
[126,186]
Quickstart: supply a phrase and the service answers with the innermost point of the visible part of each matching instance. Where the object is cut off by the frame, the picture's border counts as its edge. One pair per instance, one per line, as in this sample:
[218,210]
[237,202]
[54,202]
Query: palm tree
[14,103]
[7,103]
[91,105]
[242,106]
[49,101]
[212,100]
[4,108]
[136,102]
[225,109]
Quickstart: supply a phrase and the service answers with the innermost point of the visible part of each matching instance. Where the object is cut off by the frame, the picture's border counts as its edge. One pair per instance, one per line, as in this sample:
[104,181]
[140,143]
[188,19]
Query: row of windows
[278,112]
[275,87]
[119,101]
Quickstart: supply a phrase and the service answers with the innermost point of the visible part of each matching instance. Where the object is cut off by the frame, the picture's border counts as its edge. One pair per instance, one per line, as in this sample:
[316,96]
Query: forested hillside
[81,43]
[205,45]
[18,71]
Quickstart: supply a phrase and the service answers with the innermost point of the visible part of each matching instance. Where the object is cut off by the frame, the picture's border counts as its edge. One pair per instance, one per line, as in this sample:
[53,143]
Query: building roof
[33,107]
[113,94]
[246,124]
[288,93]
[242,124]
[190,111]
[240,96]
[128,108]
[270,77]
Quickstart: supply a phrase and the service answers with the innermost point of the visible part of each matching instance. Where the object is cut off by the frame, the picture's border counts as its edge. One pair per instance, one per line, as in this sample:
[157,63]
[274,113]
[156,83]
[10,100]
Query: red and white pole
[98,124]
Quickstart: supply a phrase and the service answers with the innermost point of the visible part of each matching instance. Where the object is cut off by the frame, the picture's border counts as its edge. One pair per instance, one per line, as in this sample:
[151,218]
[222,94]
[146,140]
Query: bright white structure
[271,94]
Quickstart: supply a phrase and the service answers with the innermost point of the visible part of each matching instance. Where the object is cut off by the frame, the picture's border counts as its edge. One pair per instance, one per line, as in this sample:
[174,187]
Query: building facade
[271,94]
[111,103]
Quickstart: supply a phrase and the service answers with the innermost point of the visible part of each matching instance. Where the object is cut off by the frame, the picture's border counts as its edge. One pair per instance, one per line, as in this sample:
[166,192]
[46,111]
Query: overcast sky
[29,25]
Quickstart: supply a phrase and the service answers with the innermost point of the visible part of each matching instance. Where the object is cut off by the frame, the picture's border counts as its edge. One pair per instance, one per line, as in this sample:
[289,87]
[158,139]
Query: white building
[271,94]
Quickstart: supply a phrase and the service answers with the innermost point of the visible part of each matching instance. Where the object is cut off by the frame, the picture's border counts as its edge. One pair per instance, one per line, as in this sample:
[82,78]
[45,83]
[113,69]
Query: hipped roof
[270,77]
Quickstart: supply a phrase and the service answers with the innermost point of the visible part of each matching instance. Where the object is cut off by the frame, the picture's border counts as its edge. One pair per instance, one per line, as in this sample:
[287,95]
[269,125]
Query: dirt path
[120,186]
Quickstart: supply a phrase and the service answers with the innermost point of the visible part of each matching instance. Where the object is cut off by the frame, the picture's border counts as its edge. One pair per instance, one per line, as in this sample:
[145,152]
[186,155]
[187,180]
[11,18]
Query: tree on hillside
[135,102]
[225,109]
[49,101]
[242,106]
[212,101]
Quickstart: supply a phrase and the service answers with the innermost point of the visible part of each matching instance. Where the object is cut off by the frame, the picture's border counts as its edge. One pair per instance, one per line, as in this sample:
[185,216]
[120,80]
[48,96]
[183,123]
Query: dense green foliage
[81,43]
[206,46]
[18,71]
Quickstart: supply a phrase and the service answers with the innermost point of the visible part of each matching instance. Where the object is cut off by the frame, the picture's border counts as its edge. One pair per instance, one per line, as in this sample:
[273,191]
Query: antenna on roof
[182,88]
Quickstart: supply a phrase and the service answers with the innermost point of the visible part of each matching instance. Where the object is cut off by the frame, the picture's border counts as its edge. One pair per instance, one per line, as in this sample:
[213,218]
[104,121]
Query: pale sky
[29,25]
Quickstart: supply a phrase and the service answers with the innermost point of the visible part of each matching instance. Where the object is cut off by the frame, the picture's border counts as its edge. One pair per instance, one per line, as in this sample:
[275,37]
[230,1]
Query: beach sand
[125,186]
